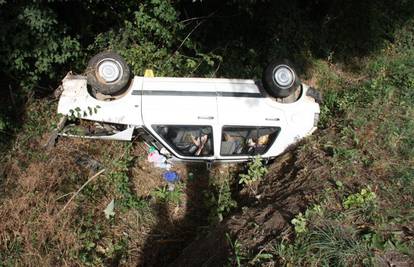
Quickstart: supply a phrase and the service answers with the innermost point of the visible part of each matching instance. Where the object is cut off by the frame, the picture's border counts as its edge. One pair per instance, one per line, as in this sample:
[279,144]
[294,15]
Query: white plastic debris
[109,210]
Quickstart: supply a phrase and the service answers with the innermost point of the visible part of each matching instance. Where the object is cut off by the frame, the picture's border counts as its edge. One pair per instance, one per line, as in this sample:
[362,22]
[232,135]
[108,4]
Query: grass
[362,156]
[369,141]
[39,183]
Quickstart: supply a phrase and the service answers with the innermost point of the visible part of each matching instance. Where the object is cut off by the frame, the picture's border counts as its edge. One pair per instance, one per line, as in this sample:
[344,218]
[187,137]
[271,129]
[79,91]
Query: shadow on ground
[169,237]
[12,110]
[192,242]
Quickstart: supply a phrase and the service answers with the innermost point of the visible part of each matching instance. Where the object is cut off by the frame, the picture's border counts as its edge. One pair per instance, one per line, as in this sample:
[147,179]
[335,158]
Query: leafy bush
[40,47]
[154,39]
[163,194]
[121,180]
[360,200]
[300,221]
[218,198]
[256,170]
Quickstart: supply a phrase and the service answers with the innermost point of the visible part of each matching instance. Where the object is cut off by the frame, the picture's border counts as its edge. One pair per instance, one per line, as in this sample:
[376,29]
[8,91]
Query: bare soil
[283,193]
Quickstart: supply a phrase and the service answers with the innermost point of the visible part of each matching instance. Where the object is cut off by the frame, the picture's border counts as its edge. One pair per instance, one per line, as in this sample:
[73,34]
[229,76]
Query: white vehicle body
[215,103]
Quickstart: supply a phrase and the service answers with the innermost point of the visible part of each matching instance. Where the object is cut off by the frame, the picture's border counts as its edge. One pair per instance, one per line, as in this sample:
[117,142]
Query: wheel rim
[284,76]
[109,70]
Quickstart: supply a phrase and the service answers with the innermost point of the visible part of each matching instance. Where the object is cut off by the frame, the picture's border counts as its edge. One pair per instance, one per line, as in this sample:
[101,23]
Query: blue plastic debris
[171,176]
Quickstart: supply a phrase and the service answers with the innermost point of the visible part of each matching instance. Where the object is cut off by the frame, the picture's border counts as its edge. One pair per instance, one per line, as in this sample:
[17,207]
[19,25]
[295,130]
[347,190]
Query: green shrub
[154,39]
[255,172]
[41,46]
[163,194]
[360,200]
[218,198]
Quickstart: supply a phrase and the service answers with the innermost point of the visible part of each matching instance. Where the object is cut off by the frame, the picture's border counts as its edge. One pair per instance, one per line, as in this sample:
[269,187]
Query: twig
[215,72]
[189,34]
[67,194]
[196,18]
[208,16]
[80,189]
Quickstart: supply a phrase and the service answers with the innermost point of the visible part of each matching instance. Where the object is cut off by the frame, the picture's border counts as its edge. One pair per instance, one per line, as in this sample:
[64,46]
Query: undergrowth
[366,137]
[218,197]
[364,217]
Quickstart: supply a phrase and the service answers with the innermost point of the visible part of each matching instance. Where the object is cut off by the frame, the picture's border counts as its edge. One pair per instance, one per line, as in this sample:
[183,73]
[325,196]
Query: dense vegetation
[355,198]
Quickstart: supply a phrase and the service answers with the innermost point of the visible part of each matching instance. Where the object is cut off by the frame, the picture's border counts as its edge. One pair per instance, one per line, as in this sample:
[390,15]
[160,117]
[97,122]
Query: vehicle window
[195,141]
[242,140]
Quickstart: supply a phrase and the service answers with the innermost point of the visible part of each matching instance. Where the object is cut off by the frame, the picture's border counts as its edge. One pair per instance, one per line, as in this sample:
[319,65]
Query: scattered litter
[165,152]
[85,161]
[171,177]
[109,210]
[159,160]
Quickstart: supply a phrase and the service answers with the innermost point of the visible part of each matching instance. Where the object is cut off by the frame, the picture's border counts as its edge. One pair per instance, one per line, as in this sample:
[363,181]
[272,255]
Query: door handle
[205,117]
[272,119]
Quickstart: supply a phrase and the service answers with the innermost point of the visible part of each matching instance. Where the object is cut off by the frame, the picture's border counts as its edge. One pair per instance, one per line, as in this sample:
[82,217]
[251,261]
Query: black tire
[271,84]
[117,70]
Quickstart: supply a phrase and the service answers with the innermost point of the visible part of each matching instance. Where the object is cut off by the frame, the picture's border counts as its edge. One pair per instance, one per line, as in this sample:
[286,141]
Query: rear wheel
[280,79]
[108,73]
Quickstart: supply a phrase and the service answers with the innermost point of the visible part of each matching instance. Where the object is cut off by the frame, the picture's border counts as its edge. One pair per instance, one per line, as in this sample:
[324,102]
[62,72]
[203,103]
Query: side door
[180,113]
[242,142]
[187,141]
[248,124]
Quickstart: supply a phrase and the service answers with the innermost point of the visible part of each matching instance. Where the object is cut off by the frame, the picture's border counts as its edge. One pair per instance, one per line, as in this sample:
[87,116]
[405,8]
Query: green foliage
[327,235]
[78,112]
[89,236]
[360,200]
[95,249]
[326,245]
[323,237]
[154,39]
[237,252]
[256,171]
[366,74]
[163,194]
[9,256]
[300,223]
[301,220]
[120,178]
[40,47]
[353,228]
[3,124]
[218,198]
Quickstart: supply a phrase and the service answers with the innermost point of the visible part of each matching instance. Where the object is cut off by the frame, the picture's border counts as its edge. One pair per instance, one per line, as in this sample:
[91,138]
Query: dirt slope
[283,193]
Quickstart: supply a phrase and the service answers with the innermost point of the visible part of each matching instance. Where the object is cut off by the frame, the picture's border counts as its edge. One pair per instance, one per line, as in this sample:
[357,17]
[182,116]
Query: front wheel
[280,79]
[108,73]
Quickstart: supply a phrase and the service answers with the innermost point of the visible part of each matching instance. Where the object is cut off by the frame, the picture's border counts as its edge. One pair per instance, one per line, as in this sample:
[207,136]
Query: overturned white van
[192,118]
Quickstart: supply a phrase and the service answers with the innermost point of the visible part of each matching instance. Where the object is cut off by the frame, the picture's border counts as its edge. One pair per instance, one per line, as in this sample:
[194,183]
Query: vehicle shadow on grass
[172,234]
